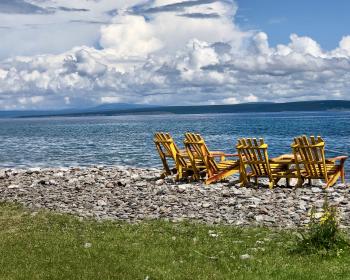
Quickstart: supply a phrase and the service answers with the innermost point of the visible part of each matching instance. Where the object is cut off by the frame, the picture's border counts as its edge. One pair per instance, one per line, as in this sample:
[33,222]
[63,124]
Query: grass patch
[53,246]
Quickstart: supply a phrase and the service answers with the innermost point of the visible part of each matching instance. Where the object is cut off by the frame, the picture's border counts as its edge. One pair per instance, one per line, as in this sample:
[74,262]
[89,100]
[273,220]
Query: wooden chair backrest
[310,153]
[197,149]
[254,154]
[166,147]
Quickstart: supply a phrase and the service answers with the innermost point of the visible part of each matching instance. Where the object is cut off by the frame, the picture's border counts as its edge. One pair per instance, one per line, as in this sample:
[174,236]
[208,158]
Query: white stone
[135,177]
[318,215]
[101,202]
[182,188]
[259,218]
[34,170]
[159,182]
[245,257]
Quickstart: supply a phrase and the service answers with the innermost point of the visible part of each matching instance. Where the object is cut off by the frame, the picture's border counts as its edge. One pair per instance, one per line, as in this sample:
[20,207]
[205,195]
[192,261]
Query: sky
[58,54]
[324,21]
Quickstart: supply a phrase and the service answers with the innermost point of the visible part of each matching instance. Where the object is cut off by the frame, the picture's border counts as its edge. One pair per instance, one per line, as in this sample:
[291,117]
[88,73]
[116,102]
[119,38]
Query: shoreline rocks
[135,194]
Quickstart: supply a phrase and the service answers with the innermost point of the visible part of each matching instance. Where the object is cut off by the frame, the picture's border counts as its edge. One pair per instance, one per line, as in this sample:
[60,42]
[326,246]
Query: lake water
[128,140]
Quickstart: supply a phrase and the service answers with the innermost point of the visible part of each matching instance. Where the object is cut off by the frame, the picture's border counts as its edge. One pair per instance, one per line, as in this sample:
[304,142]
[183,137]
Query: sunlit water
[128,140]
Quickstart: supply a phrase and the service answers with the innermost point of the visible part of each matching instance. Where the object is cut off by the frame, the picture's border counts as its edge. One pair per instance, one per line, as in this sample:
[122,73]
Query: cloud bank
[174,52]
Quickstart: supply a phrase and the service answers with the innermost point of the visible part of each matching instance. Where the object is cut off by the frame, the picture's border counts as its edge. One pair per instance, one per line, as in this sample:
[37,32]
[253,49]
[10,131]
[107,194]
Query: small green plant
[323,234]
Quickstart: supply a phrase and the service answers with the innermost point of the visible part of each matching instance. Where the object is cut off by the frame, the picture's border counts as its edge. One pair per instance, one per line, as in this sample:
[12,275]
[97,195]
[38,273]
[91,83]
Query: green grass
[53,246]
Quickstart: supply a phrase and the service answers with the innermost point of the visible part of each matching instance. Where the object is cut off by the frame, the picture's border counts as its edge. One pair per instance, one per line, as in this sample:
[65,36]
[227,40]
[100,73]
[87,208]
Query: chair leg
[167,171]
[244,180]
[243,183]
[299,183]
[342,174]
[288,182]
[220,176]
[333,180]
[179,173]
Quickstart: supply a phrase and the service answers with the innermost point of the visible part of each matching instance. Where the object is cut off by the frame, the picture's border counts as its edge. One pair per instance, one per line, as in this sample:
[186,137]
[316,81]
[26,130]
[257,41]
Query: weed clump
[323,234]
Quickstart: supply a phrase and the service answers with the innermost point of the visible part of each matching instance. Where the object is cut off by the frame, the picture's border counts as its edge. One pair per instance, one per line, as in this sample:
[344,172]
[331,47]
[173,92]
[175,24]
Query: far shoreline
[255,107]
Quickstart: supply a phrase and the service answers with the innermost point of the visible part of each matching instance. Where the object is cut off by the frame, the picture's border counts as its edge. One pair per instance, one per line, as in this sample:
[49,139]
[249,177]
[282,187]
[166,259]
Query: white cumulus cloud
[171,52]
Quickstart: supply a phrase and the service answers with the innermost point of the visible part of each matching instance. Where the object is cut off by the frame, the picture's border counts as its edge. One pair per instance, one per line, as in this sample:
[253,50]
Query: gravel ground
[134,194]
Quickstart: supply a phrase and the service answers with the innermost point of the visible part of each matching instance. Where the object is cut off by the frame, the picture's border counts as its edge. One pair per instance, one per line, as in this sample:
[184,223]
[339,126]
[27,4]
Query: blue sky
[61,53]
[325,21]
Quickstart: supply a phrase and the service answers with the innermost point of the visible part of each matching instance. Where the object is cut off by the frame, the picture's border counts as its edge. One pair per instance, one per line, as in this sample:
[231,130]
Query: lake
[128,140]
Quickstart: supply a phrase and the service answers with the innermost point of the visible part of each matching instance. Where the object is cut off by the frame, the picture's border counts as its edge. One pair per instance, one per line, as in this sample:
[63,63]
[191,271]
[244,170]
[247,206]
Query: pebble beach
[135,194]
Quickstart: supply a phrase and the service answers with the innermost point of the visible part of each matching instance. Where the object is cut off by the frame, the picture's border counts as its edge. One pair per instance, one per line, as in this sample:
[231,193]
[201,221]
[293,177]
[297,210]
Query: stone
[318,215]
[259,218]
[263,210]
[305,197]
[245,257]
[213,233]
[53,182]
[33,170]
[181,188]
[135,194]
[231,202]
[339,199]
[319,203]
[160,182]
[226,193]
[101,202]
[3,174]
[237,191]
[141,184]
[135,177]
[58,174]
[161,192]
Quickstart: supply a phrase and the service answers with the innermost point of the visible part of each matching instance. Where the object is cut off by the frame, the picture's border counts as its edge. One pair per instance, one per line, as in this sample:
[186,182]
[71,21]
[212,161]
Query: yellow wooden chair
[215,170]
[167,149]
[311,162]
[253,154]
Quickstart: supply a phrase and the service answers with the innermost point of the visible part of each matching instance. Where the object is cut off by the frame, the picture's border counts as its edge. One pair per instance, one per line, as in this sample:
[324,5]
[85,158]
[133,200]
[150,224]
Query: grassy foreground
[51,246]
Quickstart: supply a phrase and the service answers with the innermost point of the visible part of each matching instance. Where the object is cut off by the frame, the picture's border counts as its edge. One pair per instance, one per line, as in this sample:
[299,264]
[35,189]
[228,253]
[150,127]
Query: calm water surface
[127,140]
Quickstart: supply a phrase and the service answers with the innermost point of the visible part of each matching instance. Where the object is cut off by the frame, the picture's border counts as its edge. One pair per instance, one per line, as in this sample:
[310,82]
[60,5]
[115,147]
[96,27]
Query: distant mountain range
[73,111]
[133,109]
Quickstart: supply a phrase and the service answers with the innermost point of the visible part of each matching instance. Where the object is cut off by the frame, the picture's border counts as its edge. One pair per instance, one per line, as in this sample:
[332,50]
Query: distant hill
[119,106]
[134,109]
[73,111]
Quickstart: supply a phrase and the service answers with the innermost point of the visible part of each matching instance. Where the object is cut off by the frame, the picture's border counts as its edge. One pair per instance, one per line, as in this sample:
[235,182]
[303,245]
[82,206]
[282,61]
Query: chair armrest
[232,155]
[215,153]
[222,154]
[332,160]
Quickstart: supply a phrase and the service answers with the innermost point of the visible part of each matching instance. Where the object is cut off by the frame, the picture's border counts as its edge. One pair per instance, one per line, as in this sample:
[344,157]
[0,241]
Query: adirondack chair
[311,162]
[215,170]
[254,155]
[167,149]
